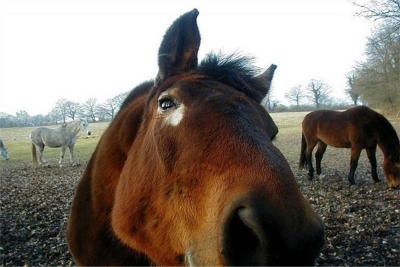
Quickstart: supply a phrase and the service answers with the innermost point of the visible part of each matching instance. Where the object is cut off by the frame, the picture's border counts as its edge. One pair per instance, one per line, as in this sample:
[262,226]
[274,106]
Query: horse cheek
[125,221]
[135,213]
[167,150]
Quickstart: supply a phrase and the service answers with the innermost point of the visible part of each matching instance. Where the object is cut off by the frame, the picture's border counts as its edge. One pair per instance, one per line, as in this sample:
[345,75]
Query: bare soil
[362,222]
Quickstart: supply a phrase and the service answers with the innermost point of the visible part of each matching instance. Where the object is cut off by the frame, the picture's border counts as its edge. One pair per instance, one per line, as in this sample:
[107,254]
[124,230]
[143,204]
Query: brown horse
[187,173]
[356,128]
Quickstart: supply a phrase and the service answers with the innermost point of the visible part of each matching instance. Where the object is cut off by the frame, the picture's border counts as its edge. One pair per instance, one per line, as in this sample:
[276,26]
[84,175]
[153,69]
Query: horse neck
[389,143]
[75,128]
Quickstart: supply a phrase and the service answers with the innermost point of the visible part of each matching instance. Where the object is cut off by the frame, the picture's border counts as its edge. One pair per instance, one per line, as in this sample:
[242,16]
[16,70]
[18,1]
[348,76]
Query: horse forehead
[203,89]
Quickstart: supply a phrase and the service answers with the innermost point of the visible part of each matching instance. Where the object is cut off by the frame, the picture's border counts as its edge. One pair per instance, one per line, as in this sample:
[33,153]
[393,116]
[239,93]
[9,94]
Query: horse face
[392,172]
[187,172]
[4,154]
[204,185]
[86,127]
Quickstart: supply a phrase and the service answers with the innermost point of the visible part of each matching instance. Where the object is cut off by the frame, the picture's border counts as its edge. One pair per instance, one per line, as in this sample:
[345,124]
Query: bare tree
[66,109]
[39,119]
[380,10]
[110,107]
[378,81]
[267,102]
[119,99]
[23,118]
[318,92]
[60,110]
[72,109]
[379,75]
[91,109]
[7,120]
[351,91]
[295,94]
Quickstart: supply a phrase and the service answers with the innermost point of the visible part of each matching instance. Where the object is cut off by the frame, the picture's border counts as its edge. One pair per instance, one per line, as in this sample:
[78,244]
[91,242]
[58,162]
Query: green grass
[19,146]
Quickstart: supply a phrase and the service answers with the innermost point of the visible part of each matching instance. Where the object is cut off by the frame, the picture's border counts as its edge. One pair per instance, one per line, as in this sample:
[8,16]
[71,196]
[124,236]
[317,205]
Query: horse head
[4,150]
[187,173]
[85,126]
[4,154]
[202,183]
[392,172]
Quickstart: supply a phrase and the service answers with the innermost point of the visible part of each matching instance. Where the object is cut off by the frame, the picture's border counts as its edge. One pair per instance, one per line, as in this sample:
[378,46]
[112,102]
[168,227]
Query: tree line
[65,110]
[376,80]
[317,94]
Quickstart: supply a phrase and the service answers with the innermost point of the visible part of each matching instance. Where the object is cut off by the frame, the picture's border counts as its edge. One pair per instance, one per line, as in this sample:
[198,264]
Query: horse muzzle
[254,234]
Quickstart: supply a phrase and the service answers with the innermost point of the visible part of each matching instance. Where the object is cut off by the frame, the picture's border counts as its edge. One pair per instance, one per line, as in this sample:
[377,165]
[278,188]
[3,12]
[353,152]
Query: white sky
[81,49]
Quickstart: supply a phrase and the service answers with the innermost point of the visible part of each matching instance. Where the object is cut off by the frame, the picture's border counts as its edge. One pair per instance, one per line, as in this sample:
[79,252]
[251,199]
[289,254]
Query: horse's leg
[355,155]
[71,155]
[62,153]
[319,154]
[309,150]
[372,159]
[42,161]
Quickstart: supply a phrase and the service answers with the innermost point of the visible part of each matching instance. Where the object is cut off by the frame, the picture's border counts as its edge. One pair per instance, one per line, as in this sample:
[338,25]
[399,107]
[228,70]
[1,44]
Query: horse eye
[166,103]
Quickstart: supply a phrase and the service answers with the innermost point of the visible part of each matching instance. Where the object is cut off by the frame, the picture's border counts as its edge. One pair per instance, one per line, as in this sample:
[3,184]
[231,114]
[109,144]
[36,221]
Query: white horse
[3,150]
[64,136]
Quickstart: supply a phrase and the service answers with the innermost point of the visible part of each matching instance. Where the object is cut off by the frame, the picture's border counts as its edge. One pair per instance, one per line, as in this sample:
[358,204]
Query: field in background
[19,146]
[288,140]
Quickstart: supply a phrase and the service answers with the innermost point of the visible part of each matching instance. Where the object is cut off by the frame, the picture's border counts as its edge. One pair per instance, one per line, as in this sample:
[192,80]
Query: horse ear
[179,47]
[265,79]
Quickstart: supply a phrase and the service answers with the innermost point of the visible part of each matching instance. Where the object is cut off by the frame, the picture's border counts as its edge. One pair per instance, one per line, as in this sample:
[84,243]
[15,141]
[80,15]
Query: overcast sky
[97,49]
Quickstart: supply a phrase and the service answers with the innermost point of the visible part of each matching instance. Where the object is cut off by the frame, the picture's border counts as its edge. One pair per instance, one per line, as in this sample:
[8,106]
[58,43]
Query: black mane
[235,70]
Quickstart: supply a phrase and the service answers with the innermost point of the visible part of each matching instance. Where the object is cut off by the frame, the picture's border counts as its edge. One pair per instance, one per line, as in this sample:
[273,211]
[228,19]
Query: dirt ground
[362,222]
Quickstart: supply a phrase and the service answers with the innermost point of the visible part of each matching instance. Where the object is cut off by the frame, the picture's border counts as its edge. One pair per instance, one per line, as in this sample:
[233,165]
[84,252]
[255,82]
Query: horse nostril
[244,241]
[253,234]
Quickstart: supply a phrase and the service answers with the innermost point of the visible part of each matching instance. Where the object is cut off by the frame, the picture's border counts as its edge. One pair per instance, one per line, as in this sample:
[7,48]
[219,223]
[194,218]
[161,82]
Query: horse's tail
[34,155]
[303,161]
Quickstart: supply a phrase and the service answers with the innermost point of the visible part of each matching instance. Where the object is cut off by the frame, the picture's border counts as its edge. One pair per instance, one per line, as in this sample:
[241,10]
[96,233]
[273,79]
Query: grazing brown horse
[356,128]
[186,174]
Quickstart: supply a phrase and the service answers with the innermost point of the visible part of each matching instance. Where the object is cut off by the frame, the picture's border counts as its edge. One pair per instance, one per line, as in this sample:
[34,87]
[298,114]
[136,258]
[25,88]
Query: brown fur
[209,190]
[357,128]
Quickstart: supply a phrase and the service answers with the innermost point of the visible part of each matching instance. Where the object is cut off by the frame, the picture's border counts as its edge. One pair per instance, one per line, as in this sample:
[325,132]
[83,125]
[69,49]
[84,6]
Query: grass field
[19,146]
